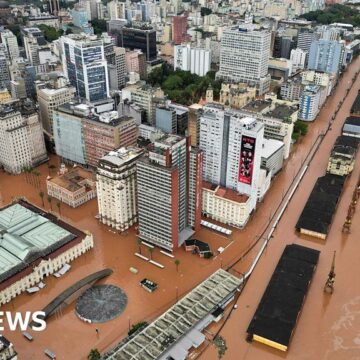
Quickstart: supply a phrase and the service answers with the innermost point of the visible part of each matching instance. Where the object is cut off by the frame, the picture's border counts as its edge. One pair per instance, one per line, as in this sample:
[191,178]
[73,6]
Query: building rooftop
[270,147]
[257,105]
[352,120]
[75,179]
[167,330]
[121,156]
[225,193]
[276,315]
[28,234]
[282,112]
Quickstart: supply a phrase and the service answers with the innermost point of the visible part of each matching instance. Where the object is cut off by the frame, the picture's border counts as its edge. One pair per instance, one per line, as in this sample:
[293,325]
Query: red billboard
[246,163]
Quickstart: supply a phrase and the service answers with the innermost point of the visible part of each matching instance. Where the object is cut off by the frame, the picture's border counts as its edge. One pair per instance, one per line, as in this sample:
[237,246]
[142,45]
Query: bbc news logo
[14,320]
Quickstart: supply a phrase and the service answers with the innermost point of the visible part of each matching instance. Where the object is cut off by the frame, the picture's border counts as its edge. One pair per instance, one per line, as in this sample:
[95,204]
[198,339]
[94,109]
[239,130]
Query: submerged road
[328,326]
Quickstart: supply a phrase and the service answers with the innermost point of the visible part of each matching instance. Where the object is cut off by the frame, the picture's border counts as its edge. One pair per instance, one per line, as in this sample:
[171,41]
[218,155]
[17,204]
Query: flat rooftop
[270,147]
[28,234]
[257,105]
[282,112]
[277,313]
[121,156]
[180,319]
[225,193]
[321,205]
[74,179]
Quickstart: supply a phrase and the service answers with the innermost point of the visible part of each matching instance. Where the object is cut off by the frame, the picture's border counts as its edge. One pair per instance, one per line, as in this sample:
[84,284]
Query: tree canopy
[50,33]
[99,26]
[182,86]
[334,13]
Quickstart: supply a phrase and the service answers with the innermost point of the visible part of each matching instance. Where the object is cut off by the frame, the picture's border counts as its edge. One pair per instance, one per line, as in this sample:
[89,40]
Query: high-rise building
[244,56]
[120,66]
[116,9]
[117,188]
[298,59]
[194,124]
[21,139]
[85,66]
[305,38]
[143,39]
[83,136]
[179,29]
[50,95]
[54,7]
[309,103]
[232,145]
[166,120]
[107,132]
[4,72]
[136,62]
[10,41]
[169,208]
[195,60]
[34,41]
[326,56]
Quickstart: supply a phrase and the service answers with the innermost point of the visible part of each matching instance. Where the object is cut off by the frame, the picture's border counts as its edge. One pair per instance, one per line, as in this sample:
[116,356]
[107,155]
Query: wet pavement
[327,326]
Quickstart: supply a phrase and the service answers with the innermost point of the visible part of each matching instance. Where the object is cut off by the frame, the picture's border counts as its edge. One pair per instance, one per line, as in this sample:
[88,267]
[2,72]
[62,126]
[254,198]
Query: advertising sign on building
[246,159]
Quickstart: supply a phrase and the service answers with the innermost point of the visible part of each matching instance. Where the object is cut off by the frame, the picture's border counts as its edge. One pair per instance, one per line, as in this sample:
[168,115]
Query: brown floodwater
[328,324]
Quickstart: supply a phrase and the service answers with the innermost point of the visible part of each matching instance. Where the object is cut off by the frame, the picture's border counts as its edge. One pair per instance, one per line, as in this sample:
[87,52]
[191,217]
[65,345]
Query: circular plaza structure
[101,303]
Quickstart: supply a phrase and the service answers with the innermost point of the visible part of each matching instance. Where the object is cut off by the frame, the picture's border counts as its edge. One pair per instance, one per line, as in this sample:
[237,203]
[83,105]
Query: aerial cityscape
[179,179]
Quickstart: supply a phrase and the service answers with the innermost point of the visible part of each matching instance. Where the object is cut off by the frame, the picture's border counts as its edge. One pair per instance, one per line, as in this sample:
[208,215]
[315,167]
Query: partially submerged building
[34,244]
[315,220]
[179,330]
[276,316]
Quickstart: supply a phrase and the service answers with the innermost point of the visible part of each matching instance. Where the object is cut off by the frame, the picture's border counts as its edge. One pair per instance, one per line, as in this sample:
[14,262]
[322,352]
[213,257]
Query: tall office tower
[166,120]
[305,39]
[34,42]
[298,59]
[120,66]
[164,205]
[116,188]
[85,66]
[194,124]
[136,62]
[244,56]
[309,103]
[232,145]
[195,60]
[145,97]
[10,41]
[50,95]
[142,38]
[4,72]
[326,56]
[179,29]
[116,9]
[107,132]
[21,140]
[54,7]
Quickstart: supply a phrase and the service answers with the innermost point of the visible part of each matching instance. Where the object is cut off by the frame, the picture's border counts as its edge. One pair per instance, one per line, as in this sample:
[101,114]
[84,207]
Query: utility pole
[329,285]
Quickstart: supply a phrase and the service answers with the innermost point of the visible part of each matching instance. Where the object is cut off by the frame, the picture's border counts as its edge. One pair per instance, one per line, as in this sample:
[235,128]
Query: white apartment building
[49,99]
[309,103]
[116,10]
[34,41]
[244,56]
[298,59]
[21,141]
[196,60]
[117,189]
[120,66]
[312,77]
[232,144]
[10,41]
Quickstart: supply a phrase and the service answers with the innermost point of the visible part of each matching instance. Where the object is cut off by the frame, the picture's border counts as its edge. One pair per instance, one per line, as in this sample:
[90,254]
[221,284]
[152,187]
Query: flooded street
[328,326]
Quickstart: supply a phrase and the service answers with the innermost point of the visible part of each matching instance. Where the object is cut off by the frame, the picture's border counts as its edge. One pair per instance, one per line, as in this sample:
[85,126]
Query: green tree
[50,33]
[99,26]
[139,241]
[49,199]
[137,327]
[205,11]
[220,344]
[58,204]
[177,263]
[41,194]
[94,354]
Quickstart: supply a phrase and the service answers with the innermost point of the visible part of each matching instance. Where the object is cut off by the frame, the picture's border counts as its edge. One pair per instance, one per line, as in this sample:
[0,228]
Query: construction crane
[329,285]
